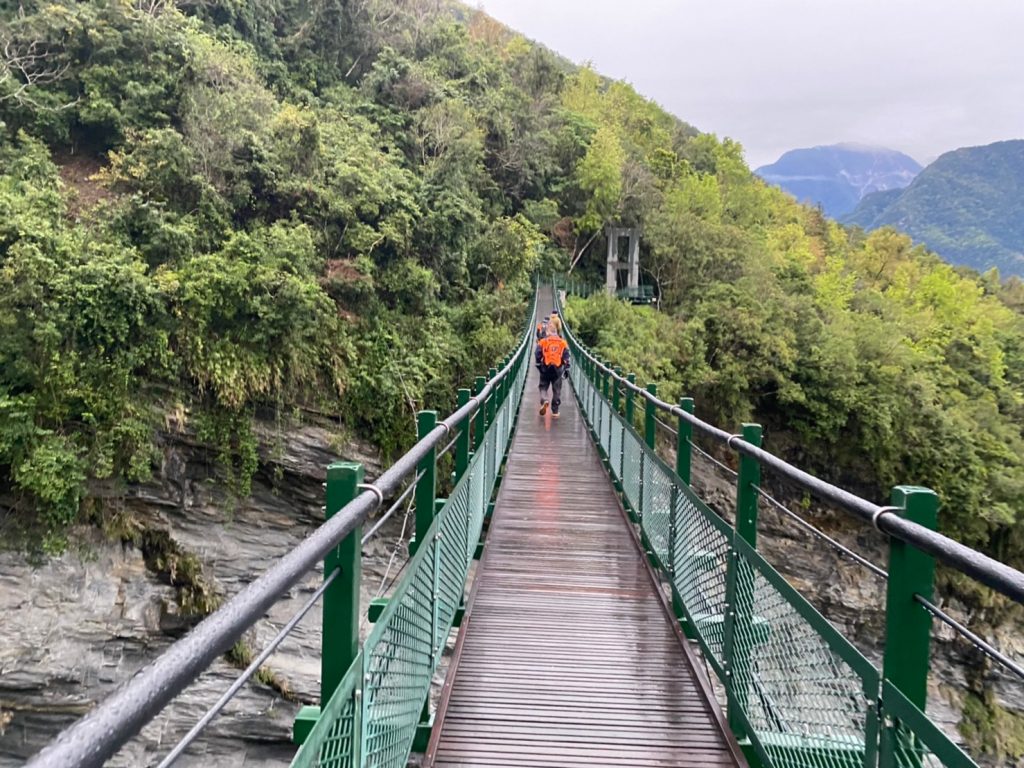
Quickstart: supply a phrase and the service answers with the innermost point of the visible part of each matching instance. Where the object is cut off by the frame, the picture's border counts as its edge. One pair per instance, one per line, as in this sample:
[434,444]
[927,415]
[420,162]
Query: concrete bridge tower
[623,257]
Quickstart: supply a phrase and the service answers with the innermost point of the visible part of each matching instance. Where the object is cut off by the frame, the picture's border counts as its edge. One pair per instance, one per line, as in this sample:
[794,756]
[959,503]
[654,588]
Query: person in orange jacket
[553,362]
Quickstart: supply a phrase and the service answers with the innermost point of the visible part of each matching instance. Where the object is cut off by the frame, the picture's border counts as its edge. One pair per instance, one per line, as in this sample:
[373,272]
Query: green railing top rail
[979,566]
[98,735]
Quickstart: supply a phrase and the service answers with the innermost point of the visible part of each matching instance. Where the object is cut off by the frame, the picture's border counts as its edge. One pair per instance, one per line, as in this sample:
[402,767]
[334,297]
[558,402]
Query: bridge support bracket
[304,723]
[376,608]
[422,738]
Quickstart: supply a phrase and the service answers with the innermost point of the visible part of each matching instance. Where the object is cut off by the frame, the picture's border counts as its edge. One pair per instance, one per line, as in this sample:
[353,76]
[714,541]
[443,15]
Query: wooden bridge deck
[567,655]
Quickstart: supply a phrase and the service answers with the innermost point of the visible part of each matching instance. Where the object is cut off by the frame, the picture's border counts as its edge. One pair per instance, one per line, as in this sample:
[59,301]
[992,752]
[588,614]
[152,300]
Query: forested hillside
[214,209]
[966,206]
[224,207]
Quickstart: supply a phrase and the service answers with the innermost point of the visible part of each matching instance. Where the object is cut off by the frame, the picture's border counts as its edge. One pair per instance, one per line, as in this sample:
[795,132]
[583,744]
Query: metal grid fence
[371,720]
[796,687]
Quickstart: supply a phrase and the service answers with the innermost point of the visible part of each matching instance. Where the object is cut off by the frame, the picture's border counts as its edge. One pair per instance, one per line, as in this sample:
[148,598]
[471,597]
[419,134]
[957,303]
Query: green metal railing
[641,294]
[376,710]
[799,694]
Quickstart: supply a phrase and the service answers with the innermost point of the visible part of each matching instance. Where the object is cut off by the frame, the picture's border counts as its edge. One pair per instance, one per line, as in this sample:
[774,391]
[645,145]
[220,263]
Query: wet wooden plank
[567,655]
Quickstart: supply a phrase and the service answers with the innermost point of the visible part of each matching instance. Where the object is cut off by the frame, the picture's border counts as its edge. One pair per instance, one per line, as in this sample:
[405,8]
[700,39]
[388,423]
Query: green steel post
[341,600]
[426,486]
[616,398]
[684,437]
[747,482]
[739,585]
[608,383]
[649,416]
[462,446]
[631,378]
[907,624]
[478,438]
[340,638]
[492,400]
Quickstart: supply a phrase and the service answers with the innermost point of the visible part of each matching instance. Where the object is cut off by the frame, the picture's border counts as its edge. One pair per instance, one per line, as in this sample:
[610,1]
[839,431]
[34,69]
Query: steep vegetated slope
[213,210]
[968,206]
[838,176]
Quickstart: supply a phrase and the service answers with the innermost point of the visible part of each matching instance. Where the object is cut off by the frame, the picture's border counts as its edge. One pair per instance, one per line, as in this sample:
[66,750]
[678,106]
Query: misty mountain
[838,176]
[967,206]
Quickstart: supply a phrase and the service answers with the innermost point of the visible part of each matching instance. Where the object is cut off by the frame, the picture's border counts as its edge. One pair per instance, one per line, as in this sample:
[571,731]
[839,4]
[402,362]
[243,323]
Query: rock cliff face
[77,626]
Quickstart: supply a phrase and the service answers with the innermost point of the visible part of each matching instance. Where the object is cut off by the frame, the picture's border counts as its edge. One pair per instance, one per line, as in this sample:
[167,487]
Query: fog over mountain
[836,177]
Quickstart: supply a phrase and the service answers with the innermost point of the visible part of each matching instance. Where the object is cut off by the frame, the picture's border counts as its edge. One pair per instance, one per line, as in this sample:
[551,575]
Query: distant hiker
[553,362]
[556,322]
[542,328]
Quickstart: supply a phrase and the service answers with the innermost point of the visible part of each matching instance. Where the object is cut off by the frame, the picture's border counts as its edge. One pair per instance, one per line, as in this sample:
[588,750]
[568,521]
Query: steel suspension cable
[982,645]
[843,550]
[384,518]
[394,552]
[667,427]
[728,470]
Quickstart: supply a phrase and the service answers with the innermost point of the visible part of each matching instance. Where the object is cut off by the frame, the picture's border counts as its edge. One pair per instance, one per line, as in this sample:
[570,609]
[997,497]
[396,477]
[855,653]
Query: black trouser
[556,390]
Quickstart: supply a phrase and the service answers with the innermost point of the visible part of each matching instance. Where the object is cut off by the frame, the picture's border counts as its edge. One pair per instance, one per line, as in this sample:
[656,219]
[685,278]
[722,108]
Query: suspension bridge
[602,613]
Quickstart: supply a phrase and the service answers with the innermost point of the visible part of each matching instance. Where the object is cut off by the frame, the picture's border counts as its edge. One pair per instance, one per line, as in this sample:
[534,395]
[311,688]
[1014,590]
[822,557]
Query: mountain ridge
[966,206]
[838,176]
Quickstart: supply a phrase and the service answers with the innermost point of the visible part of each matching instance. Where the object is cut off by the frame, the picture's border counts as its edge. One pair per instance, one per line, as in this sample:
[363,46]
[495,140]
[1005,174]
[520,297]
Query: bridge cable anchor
[876,516]
[373,489]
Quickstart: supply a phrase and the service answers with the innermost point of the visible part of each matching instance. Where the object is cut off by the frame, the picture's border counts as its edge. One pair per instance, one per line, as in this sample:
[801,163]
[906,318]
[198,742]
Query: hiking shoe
[555,414]
[543,407]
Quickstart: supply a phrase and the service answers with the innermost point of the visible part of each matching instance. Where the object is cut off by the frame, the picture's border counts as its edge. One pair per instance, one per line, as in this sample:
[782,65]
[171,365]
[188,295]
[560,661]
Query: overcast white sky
[920,76]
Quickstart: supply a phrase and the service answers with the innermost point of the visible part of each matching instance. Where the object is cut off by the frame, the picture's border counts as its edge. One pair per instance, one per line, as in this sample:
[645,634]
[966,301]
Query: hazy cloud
[921,76]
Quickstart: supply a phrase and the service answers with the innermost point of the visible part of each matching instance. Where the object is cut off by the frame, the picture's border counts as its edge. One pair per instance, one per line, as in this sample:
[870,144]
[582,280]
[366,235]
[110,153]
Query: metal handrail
[249,671]
[98,735]
[984,569]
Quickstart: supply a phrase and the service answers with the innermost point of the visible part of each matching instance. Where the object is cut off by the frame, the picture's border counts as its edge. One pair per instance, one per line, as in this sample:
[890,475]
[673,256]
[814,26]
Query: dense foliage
[966,206]
[338,204]
[209,210]
[869,360]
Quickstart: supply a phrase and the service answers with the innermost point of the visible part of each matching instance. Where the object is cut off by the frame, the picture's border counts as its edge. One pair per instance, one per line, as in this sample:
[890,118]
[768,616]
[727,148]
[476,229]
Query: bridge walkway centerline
[568,655]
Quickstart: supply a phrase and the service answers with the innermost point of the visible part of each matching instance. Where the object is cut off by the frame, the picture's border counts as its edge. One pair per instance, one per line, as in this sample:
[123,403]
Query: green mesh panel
[632,451]
[615,443]
[372,717]
[910,740]
[806,694]
[657,519]
[702,546]
[333,745]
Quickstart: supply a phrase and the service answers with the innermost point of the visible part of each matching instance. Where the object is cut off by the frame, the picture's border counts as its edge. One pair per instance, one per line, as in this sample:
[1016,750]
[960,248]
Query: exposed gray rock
[79,625]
